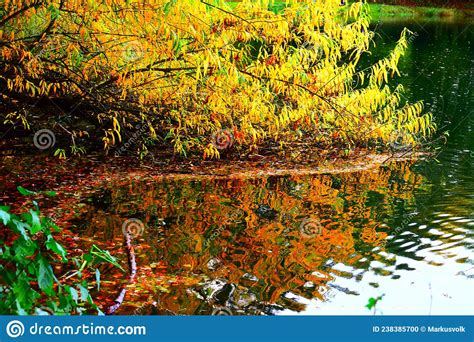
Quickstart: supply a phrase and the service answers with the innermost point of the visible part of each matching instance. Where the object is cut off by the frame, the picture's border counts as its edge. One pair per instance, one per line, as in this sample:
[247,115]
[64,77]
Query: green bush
[28,284]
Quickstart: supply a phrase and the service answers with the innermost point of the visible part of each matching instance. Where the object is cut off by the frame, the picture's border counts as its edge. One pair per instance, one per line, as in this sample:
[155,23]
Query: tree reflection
[238,242]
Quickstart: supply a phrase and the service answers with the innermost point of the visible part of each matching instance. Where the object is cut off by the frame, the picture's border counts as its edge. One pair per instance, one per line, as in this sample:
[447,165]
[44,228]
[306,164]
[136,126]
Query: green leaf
[45,275]
[64,298]
[35,222]
[104,256]
[4,215]
[50,193]
[87,257]
[25,295]
[5,253]
[97,278]
[25,192]
[371,303]
[23,248]
[84,292]
[54,11]
[20,227]
[54,246]
[168,5]
[20,310]
[74,294]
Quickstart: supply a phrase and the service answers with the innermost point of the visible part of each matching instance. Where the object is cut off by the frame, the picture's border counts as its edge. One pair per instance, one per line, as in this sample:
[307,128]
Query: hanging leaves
[192,67]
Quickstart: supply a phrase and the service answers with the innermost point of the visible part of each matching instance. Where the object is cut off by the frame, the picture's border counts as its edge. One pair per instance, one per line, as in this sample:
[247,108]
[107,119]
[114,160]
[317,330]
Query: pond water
[316,244]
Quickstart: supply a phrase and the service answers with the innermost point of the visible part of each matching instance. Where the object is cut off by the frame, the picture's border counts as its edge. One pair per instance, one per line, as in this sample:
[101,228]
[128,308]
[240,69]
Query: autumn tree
[201,76]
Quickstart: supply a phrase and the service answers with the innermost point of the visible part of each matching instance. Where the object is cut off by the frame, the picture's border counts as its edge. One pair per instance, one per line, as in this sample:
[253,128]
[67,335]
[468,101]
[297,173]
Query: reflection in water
[242,244]
[317,244]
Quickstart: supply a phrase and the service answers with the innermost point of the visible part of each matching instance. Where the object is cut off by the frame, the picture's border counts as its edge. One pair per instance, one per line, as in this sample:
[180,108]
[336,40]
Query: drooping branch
[19,12]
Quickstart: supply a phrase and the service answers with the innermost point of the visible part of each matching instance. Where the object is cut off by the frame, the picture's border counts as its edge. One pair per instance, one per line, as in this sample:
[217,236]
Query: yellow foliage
[187,68]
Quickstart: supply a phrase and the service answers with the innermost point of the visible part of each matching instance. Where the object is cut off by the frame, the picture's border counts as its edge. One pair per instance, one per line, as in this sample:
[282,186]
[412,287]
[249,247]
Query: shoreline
[40,172]
[382,12]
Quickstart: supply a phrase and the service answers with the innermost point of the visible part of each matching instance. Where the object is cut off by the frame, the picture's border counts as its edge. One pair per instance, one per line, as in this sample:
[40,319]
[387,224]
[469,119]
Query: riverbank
[461,4]
[88,208]
[383,12]
[75,178]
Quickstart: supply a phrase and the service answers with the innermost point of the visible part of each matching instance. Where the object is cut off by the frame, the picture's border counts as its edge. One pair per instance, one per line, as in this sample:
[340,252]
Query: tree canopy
[201,76]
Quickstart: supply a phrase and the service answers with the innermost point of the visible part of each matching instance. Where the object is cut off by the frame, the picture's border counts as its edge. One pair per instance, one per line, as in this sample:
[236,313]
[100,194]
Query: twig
[133,271]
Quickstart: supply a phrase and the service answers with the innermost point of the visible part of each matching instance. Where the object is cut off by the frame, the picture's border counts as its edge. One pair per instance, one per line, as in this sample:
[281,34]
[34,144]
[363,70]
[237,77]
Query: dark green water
[318,244]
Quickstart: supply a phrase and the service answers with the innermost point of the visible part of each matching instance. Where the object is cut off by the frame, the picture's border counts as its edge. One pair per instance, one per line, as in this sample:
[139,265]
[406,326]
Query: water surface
[321,244]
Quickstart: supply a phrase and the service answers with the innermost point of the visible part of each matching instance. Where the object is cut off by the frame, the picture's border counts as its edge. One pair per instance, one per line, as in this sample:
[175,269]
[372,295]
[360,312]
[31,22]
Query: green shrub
[28,284]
